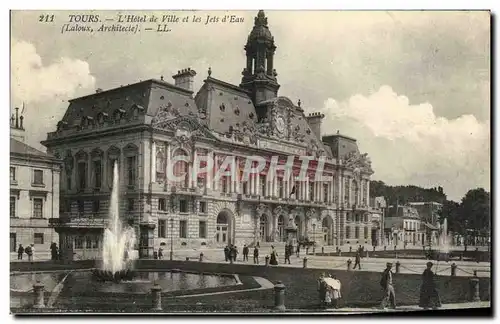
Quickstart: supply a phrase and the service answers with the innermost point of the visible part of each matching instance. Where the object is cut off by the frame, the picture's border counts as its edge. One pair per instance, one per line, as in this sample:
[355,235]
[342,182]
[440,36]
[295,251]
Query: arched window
[160,166]
[181,167]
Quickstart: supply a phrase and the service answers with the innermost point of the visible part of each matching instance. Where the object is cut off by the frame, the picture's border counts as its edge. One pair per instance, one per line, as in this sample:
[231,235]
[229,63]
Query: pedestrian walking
[386,283]
[274,257]
[30,251]
[429,296]
[226,253]
[160,252]
[234,253]
[20,252]
[288,252]
[256,255]
[357,260]
[245,253]
[298,250]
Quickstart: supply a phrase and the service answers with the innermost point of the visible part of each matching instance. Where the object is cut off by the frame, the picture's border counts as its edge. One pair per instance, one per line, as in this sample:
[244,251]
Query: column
[339,189]
[234,181]
[368,191]
[153,161]
[208,175]
[257,185]
[194,170]
[167,150]
[275,186]
[216,182]
[306,189]
[349,194]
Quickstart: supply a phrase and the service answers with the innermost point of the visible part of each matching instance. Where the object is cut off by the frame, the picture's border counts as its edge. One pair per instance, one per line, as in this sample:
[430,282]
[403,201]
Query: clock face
[280,124]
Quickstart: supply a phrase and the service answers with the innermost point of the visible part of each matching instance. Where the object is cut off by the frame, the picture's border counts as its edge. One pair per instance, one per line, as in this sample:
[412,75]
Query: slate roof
[20,148]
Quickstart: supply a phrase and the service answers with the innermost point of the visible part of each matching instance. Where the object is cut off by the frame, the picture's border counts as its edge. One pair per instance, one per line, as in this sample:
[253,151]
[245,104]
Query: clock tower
[259,75]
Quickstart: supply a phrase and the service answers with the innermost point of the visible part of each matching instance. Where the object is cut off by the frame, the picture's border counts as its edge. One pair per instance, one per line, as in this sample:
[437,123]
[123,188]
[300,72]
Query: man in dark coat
[288,252]
[234,252]
[386,283]
[53,251]
[274,257]
[245,253]
[226,253]
[256,255]
[357,260]
[429,296]
[298,250]
[20,252]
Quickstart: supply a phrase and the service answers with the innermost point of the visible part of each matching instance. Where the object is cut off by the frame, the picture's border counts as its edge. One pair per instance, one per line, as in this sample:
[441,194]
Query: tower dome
[260,29]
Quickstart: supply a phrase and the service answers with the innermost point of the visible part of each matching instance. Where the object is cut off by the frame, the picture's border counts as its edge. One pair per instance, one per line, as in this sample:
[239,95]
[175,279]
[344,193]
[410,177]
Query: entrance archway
[264,228]
[223,230]
[281,228]
[327,229]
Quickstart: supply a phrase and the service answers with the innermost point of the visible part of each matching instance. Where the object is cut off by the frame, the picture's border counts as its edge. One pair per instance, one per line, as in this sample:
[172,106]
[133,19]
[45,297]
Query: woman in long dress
[429,296]
[274,257]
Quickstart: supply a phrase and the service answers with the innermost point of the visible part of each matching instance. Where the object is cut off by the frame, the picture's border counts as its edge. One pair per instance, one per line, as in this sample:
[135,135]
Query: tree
[450,211]
[475,209]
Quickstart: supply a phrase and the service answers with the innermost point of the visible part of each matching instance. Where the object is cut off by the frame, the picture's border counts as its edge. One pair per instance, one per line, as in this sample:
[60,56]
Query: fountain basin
[105,275]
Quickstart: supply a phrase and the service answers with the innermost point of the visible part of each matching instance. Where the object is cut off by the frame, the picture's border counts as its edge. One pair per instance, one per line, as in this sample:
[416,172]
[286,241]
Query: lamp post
[314,238]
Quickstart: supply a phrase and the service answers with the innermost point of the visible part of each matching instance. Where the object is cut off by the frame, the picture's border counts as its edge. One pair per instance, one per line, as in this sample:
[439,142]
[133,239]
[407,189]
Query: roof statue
[358,162]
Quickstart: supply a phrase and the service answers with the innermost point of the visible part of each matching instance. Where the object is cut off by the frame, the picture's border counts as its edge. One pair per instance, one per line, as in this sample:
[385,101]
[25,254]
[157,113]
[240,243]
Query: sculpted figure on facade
[361,161]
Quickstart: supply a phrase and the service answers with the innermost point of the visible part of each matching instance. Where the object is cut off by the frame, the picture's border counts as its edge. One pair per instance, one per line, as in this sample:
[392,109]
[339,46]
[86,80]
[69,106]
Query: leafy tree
[450,211]
[475,210]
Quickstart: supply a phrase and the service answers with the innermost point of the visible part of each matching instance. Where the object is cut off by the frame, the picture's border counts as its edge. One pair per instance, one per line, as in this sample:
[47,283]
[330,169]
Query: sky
[413,87]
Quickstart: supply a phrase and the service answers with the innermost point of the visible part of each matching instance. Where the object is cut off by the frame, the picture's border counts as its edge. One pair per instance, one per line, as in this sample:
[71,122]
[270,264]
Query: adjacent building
[34,193]
[144,126]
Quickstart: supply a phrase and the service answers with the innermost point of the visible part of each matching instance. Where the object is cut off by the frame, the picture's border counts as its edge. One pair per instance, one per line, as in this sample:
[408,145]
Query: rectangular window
[366,233]
[131,203]
[262,181]
[162,205]
[81,207]
[88,242]
[95,243]
[38,177]
[356,232]
[82,175]
[97,174]
[79,242]
[162,228]
[245,188]
[183,208]
[203,207]
[38,238]
[131,166]
[12,174]
[311,191]
[182,229]
[13,206]
[13,242]
[347,232]
[37,208]
[68,181]
[325,192]
[96,206]
[203,229]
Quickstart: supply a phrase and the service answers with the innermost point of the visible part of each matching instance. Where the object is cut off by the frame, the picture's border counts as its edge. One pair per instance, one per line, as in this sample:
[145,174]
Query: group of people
[30,251]
[429,296]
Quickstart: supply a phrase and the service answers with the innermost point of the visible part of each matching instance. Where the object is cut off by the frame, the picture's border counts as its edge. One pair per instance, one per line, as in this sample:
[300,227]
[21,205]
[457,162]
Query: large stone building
[34,193]
[143,126]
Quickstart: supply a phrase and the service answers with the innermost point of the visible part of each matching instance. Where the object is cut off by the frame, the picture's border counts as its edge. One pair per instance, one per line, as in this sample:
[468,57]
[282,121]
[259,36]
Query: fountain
[118,243]
[443,251]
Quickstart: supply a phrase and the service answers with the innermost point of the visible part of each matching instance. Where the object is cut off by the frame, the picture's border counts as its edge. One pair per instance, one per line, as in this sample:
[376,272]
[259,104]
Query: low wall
[358,287]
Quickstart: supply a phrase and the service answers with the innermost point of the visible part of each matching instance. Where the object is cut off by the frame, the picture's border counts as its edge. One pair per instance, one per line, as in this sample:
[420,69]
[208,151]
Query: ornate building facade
[146,125]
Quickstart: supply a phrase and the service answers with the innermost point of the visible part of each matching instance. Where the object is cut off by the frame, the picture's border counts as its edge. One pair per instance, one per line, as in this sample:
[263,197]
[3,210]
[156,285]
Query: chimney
[17,127]
[314,121]
[185,78]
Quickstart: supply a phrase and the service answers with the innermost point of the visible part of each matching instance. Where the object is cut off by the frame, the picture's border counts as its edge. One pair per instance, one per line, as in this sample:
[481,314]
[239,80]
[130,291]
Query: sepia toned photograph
[273,162]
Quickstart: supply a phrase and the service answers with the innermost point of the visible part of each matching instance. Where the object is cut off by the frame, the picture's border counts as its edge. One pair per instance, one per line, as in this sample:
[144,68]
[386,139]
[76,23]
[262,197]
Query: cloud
[45,88]
[409,144]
